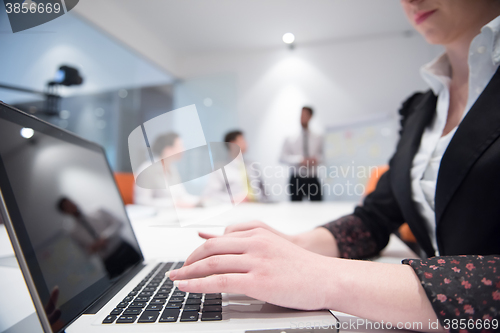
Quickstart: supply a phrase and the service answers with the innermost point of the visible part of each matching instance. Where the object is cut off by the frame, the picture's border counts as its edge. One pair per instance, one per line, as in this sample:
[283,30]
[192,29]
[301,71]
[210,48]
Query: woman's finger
[206,235]
[218,245]
[220,264]
[232,234]
[244,226]
[222,283]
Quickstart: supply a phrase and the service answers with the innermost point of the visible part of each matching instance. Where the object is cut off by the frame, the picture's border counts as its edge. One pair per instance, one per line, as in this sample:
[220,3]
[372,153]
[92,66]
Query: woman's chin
[434,38]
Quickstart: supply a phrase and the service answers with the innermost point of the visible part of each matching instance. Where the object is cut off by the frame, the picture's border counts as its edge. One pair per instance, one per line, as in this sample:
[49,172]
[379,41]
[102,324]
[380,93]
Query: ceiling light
[288,38]
[27,133]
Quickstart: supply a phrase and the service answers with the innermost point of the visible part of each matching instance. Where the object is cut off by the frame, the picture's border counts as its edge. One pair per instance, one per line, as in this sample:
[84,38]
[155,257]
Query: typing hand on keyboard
[262,265]
[155,299]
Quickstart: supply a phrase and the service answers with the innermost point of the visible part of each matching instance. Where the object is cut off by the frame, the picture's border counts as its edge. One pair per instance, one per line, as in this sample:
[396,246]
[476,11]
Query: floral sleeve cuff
[461,289]
[354,240]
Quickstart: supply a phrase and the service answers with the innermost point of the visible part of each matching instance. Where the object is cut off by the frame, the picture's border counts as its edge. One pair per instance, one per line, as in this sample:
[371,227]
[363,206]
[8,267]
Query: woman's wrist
[296,239]
[318,240]
[329,278]
[376,291]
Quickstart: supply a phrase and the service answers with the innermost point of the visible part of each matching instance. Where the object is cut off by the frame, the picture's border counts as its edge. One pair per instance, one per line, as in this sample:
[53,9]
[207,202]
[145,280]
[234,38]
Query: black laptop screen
[67,214]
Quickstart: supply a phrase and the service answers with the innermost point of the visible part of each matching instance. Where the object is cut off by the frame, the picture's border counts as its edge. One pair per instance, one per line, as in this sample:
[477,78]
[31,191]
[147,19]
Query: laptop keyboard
[155,299]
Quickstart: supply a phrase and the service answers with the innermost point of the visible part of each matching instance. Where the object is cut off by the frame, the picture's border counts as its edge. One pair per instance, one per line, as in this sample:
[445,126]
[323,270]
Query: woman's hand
[261,264]
[265,266]
[318,240]
[245,226]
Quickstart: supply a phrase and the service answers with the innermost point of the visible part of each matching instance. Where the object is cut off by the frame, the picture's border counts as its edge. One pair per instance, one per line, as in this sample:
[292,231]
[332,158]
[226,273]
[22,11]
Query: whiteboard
[352,152]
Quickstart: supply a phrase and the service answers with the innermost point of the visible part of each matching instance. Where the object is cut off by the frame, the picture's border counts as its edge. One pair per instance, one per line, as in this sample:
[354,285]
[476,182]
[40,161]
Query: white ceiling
[202,25]
[182,27]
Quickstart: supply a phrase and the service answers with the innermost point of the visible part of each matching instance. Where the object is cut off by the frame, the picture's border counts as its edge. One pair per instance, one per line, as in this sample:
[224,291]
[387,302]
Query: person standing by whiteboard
[303,153]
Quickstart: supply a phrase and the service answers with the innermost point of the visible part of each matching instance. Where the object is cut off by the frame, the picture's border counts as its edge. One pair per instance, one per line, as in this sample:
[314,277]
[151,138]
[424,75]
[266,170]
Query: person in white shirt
[303,153]
[240,176]
[167,145]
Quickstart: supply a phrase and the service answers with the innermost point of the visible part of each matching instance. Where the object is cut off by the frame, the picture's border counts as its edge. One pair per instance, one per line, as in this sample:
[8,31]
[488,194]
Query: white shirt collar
[493,30]
[437,73]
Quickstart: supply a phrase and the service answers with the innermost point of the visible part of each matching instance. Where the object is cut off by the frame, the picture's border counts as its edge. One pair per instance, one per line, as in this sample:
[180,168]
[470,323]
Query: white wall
[345,81]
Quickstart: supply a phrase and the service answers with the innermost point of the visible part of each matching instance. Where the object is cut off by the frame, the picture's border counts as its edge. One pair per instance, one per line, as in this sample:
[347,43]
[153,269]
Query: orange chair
[374,177]
[125,182]
[404,230]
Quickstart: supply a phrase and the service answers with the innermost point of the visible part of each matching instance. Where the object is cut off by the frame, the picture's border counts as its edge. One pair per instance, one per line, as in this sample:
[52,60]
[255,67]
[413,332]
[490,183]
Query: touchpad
[242,306]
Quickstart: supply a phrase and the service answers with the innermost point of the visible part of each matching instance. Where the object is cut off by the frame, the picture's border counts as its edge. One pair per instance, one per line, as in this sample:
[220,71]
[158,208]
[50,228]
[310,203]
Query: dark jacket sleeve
[464,290]
[367,231]
[354,240]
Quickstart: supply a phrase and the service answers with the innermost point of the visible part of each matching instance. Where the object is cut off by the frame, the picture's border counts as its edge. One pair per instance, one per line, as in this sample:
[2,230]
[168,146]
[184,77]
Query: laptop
[80,258]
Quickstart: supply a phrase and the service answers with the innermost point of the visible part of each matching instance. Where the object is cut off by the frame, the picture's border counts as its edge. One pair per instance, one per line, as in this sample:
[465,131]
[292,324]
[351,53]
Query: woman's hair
[163,141]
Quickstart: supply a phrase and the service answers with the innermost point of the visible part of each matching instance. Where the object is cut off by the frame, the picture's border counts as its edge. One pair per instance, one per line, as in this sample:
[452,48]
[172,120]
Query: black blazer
[467,202]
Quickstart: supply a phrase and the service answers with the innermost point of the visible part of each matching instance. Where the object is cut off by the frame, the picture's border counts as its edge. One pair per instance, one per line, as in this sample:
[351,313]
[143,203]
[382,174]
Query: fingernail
[171,274]
[180,284]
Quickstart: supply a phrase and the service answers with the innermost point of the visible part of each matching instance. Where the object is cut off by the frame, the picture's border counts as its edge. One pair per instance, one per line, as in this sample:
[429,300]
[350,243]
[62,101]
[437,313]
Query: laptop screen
[67,214]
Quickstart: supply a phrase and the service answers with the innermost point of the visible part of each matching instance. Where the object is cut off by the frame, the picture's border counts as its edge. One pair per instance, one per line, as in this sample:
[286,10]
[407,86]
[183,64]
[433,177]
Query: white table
[160,236]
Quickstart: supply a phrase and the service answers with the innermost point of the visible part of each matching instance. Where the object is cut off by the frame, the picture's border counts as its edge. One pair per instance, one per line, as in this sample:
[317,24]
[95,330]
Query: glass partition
[119,90]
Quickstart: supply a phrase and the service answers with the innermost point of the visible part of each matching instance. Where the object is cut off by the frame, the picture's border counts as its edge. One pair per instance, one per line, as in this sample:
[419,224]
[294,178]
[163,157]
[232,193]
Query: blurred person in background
[169,148]
[243,177]
[303,153]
